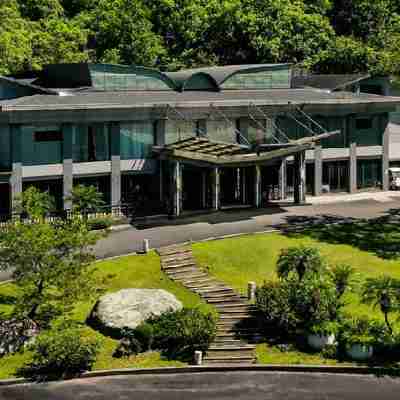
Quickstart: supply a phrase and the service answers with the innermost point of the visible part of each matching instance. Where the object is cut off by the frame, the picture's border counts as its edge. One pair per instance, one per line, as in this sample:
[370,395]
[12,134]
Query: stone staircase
[235,314]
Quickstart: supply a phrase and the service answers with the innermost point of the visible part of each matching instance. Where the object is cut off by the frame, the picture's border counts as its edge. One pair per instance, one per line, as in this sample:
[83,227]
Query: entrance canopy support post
[317,190]
[282,181]
[177,189]
[257,186]
[353,168]
[300,177]
[215,188]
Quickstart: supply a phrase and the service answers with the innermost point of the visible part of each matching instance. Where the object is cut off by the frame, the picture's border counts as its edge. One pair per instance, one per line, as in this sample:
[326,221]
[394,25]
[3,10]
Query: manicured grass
[237,261]
[125,272]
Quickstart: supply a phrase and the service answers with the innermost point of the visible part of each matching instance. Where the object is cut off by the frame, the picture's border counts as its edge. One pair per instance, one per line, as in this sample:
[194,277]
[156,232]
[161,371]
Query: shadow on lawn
[379,235]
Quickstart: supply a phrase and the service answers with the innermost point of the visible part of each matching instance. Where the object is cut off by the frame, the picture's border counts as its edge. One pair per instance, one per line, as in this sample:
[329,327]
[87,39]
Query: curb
[319,369]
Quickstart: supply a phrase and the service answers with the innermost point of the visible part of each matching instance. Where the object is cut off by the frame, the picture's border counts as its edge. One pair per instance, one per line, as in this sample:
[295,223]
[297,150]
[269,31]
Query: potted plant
[322,334]
[358,339]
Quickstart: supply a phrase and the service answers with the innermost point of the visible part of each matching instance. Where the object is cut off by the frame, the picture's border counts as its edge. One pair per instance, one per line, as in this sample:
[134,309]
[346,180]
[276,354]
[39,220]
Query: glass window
[137,139]
[41,152]
[363,123]
[369,173]
[177,130]
[91,143]
[221,131]
[118,77]
[5,148]
[270,79]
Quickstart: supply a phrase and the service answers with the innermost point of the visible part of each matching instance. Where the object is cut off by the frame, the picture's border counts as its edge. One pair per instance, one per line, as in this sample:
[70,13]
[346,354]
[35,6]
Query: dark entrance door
[235,184]
[4,200]
[193,187]
[335,176]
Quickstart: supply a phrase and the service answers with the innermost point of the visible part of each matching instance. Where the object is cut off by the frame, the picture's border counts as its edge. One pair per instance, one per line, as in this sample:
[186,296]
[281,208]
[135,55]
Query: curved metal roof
[219,75]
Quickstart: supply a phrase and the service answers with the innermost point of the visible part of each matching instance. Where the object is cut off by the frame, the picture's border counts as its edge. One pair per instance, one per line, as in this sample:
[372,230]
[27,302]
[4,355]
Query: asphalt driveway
[215,386]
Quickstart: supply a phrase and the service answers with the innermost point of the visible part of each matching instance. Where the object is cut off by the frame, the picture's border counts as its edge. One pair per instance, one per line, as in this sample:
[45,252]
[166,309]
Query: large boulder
[128,308]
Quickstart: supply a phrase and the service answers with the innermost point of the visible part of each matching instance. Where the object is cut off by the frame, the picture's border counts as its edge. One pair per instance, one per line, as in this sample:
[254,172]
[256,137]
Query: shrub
[290,305]
[135,341]
[99,223]
[300,261]
[361,330]
[59,353]
[178,334]
[272,302]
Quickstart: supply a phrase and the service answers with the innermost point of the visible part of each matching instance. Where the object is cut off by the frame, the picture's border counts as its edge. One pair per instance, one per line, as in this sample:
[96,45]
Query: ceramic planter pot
[318,342]
[360,352]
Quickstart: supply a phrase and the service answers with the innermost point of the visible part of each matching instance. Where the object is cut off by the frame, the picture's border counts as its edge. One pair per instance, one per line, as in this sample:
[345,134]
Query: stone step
[203,283]
[174,252]
[177,257]
[181,270]
[229,315]
[227,300]
[234,307]
[229,360]
[182,275]
[167,267]
[228,295]
[227,341]
[247,353]
[214,289]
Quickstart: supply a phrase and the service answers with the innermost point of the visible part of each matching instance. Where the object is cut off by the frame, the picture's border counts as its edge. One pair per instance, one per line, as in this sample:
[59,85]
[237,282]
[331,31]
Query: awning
[201,150]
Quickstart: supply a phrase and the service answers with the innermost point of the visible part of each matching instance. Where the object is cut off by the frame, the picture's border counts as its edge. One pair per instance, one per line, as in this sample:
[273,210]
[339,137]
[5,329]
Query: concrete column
[67,130]
[16,175]
[257,186]
[115,166]
[176,188]
[215,188]
[160,132]
[353,168]
[385,158]
[243,189]
[300,178]
[282,180]
[317,171]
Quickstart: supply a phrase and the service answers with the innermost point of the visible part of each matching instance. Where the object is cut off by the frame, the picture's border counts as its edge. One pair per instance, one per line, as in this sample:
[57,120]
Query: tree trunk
[388,323]
[33,310]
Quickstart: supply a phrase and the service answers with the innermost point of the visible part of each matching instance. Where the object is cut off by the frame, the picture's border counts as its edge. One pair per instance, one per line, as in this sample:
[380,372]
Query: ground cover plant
[133,271]
[237,261]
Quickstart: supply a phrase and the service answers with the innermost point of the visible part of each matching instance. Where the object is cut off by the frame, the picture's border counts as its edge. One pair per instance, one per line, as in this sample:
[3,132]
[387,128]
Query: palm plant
[342,277]
[86,198]
[299,260]
[382,292]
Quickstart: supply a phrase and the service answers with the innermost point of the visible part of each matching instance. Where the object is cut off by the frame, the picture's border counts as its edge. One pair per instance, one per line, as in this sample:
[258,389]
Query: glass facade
[118,77]
[221,131]
[368,130]
[270,79]
[137,139]
[260,132]
[91,143]
[176,130]
[5,148]
[369,173]
[335,176]
[36,151]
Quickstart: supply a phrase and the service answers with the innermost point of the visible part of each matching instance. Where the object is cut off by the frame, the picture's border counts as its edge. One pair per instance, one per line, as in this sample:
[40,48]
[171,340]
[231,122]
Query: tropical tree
[382,292]
[51,265]
[300,261]
[86,198]
[341,277]
[34,203]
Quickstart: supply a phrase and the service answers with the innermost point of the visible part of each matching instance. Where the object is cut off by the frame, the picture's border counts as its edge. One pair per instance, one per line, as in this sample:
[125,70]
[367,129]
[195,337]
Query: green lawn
[237,261]
[128,272]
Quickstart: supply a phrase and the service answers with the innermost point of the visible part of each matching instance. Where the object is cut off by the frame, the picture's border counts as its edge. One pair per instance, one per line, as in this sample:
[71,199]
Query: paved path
[202,227]
[216,386]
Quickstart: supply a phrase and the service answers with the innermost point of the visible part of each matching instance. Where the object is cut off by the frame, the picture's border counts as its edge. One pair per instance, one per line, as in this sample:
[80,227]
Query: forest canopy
[325,36]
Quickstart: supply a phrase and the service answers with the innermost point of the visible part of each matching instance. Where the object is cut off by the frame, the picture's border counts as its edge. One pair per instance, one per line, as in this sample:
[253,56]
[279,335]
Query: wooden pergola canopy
[201,150]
